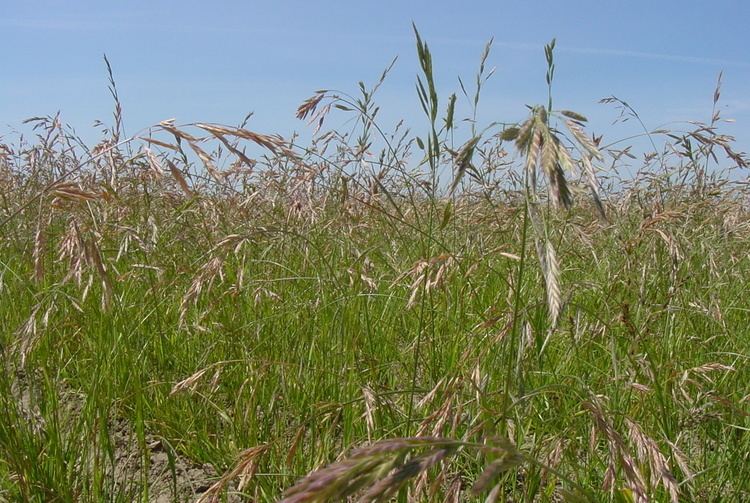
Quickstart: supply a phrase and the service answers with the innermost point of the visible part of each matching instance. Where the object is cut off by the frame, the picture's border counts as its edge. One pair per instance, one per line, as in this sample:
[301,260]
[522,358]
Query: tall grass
[204,311]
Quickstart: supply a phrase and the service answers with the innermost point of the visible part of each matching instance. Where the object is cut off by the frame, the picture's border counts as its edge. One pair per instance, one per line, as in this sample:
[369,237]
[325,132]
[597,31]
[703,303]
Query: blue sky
[216,61]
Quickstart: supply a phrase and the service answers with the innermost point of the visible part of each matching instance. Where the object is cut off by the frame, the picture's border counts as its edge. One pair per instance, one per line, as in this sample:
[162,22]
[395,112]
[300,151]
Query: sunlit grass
[182,322]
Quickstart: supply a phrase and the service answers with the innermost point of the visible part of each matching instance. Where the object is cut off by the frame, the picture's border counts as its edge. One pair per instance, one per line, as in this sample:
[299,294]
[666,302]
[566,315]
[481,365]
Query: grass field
[205,311]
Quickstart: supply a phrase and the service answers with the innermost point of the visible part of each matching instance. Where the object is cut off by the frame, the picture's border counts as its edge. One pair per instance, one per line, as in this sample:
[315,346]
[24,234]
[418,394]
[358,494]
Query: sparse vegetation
[208,312]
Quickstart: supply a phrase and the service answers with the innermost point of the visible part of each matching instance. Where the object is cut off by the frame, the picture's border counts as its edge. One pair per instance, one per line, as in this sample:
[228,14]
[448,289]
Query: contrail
[654,55]
[625,53]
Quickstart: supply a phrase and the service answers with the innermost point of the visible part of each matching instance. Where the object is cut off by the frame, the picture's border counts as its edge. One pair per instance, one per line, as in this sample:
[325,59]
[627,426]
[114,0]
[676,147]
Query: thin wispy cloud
[78,24]
[596,51]
[134,24]
[677,58]
[59,24]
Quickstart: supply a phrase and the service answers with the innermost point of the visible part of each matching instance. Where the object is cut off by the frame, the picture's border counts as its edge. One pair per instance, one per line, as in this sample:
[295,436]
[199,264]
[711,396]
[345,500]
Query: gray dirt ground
[176,480]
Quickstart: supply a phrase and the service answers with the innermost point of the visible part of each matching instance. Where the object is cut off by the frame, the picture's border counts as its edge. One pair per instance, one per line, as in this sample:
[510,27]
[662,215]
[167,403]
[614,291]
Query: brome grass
[207,312]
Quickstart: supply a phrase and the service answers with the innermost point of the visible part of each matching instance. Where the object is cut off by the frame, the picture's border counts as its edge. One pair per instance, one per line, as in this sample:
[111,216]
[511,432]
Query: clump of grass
[379,471]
